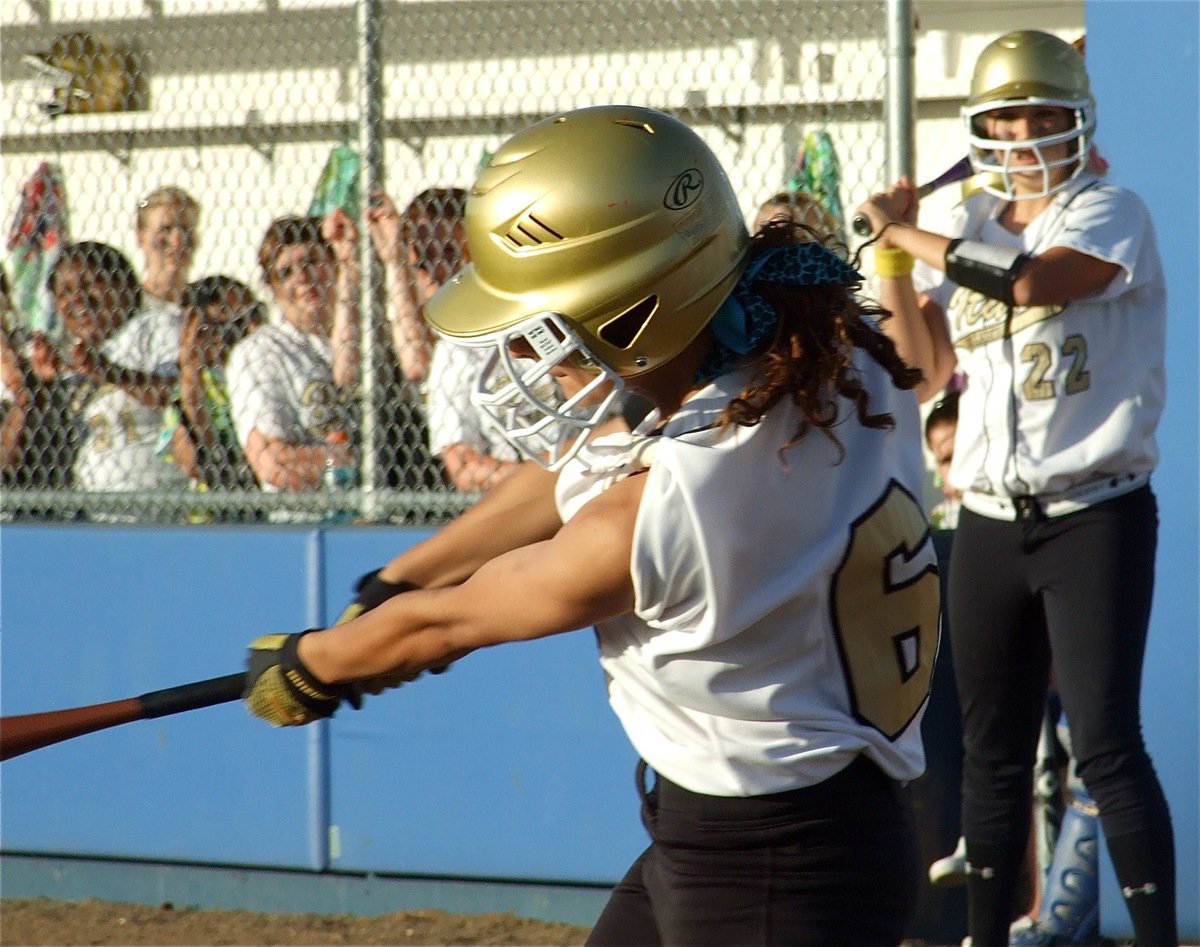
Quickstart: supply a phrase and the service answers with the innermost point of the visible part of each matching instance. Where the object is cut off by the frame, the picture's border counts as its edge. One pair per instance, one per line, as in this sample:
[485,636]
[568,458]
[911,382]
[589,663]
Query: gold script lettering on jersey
[979,319]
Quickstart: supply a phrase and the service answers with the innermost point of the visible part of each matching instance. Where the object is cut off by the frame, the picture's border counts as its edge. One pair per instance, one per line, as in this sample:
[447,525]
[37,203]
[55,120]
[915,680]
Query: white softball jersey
[1060,400]
[280,381]
[786,606]
[451,416]
[118,452]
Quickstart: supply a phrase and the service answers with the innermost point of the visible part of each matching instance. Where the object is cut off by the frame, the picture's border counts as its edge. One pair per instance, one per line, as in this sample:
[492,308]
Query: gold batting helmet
[609,235]
[1029,67]
[90,73]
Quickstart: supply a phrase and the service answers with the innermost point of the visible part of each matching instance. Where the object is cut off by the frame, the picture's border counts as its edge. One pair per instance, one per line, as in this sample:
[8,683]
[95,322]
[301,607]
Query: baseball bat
[20,734]
[959,171]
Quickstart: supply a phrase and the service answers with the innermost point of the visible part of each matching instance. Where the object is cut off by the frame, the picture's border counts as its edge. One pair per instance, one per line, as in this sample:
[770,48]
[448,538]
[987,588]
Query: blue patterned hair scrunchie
[745,322]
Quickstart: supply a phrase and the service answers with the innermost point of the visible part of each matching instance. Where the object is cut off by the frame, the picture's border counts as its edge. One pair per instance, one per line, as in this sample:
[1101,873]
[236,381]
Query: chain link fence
[225,215]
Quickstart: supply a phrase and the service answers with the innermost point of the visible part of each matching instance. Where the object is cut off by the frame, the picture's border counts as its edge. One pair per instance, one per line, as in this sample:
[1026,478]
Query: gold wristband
[891,262]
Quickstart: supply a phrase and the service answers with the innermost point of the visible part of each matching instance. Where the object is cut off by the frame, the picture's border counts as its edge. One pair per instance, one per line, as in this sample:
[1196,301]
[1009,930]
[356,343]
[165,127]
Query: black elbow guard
[984,267]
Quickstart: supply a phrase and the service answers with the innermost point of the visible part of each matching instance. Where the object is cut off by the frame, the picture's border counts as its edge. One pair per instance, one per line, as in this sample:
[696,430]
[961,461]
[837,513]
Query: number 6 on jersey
[886,611]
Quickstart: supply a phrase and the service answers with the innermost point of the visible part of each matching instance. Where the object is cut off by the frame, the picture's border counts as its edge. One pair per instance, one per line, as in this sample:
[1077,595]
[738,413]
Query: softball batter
[753,556]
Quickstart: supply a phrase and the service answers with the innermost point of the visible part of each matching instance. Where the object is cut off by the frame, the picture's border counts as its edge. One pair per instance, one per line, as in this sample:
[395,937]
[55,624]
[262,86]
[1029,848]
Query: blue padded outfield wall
[510,767]
[1143,60]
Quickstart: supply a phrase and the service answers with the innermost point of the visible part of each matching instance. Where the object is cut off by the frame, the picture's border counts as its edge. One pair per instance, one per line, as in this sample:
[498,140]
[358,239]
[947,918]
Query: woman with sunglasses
[293,382]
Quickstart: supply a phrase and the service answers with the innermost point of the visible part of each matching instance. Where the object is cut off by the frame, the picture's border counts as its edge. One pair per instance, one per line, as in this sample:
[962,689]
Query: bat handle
[862,226]
[172,700]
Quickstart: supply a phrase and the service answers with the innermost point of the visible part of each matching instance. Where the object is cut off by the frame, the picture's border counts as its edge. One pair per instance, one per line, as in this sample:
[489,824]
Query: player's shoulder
[1102,216]
[147,320]
[967,217]
[1093,192]
[270,336]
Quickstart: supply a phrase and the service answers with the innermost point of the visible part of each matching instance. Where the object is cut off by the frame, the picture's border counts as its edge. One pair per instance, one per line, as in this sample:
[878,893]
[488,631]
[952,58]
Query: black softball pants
[1077,590]
[830,865]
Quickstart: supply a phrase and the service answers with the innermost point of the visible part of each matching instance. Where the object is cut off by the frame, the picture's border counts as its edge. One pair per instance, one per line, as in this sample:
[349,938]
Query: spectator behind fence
[800,208]
[405,463]
[433,246]
[15,398]
[420,249]
[292,383]
[37,440]
[167,218]
[1048,293]
[16,394]
[198,432]
[123,362]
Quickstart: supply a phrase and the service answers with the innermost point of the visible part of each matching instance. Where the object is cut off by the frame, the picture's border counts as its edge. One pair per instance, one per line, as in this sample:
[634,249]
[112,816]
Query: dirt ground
[43,922]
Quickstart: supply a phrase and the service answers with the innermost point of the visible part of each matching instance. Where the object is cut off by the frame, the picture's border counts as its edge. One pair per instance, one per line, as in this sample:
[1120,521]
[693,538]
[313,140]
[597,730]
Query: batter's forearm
[518,511]
[403,636]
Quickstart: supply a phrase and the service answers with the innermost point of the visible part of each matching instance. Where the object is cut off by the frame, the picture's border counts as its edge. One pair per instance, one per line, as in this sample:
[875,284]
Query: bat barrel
[27,732]
[20,734]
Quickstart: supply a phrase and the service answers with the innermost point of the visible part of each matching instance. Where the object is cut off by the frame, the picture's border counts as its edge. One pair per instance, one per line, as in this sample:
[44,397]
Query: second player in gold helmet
[606,235]
[1030,68]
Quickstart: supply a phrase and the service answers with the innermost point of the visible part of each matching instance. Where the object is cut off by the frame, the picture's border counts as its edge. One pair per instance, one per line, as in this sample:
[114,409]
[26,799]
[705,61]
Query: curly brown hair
[810,358]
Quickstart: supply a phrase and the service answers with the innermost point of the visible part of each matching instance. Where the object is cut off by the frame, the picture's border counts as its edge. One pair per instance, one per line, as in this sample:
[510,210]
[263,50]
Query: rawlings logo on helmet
[685,190]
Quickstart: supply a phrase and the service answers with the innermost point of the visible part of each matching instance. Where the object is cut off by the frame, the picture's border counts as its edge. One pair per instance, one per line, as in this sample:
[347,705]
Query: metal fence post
[899,94]
[372,312]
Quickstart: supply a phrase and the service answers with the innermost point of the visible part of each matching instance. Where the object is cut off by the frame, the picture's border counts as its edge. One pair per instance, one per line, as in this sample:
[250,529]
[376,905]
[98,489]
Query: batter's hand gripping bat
[27,732]
[959,171]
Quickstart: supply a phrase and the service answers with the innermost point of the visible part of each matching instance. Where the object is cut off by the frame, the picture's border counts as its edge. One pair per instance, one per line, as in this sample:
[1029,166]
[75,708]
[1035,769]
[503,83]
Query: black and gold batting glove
[281,690]
[370,592]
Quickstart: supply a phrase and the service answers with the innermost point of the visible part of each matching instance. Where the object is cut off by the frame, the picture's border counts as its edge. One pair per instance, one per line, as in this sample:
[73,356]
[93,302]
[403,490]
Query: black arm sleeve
[984,267]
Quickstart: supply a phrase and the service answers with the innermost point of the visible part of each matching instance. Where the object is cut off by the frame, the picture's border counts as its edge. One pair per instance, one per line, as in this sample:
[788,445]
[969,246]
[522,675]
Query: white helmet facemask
[995,156]
[521,399]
